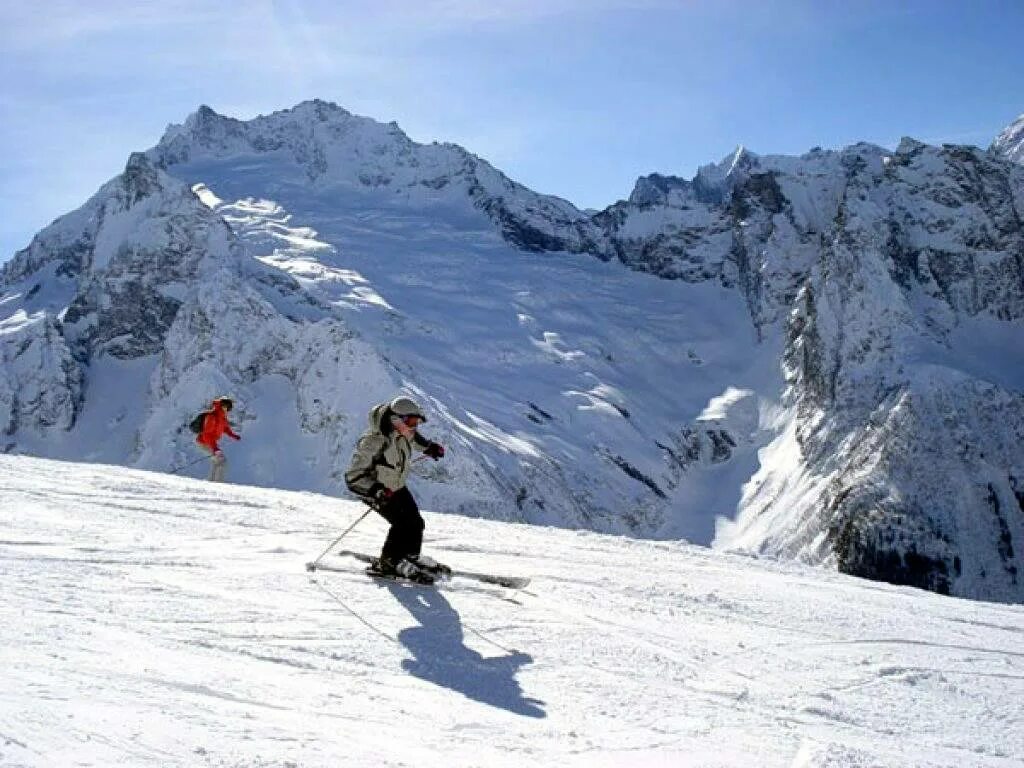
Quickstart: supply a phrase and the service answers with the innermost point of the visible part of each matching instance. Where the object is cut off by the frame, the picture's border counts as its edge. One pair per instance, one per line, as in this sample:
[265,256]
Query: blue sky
[570,97]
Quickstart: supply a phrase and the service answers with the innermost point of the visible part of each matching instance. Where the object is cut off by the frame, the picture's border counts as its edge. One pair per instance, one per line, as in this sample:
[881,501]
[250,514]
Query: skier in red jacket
[215,426]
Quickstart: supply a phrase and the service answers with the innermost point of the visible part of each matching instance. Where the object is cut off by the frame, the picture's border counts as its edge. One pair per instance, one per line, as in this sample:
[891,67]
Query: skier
[215,425]
[377,474]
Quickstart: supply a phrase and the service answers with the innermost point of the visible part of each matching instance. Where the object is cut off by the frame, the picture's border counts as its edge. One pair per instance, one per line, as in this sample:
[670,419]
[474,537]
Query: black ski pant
[406,534]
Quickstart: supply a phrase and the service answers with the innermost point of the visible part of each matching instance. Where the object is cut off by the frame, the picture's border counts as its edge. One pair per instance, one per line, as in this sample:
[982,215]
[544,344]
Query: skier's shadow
[441,657]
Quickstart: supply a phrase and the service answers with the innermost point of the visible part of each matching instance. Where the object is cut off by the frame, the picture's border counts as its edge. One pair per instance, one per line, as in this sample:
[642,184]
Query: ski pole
[176,470]
[312,566]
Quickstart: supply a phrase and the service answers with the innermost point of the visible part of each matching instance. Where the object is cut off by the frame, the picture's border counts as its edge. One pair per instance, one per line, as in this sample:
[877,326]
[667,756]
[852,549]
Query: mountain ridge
[831,305]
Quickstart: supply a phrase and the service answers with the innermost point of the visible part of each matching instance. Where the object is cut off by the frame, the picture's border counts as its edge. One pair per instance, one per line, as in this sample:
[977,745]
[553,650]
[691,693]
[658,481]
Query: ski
[509,582]
[378,576]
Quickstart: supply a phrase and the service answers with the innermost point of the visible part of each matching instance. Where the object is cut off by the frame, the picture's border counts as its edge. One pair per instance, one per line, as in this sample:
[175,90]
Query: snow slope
[148,620]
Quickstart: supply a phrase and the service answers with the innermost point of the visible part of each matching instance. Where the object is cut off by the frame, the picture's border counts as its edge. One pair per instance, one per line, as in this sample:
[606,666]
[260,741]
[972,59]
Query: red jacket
[215,425]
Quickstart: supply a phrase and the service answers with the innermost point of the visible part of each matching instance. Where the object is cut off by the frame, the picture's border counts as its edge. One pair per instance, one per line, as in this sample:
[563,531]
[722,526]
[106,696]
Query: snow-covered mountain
[155,621]
[814,357]
[1010,142]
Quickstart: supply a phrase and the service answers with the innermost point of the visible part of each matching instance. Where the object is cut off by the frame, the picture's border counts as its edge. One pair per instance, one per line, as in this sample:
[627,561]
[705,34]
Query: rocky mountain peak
[910,146]
[734,164]
[1010,141]
[655,189]
[711,185]
[326,141]
[140,179]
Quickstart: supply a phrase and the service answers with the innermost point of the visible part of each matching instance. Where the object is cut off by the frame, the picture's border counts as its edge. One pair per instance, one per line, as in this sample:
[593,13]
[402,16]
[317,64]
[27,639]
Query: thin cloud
[471,11]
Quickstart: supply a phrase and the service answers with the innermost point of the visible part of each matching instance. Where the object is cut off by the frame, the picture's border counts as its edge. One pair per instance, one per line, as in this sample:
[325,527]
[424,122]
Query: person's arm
[428,447]
[361,476]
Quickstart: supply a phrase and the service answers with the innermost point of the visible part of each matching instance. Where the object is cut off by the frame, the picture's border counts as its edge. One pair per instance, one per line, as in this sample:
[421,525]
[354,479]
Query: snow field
[156,620]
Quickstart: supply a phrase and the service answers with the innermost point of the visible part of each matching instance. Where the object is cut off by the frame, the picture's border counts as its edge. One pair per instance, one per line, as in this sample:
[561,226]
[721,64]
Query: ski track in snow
[155,620]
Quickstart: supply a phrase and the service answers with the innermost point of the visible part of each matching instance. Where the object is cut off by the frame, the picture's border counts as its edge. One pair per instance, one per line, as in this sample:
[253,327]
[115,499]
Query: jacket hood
[377,414]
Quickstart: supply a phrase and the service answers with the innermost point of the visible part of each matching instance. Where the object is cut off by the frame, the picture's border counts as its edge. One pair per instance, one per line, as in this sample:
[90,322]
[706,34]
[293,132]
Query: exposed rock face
[883,269]
[905,435]
[873,421]
[40,382]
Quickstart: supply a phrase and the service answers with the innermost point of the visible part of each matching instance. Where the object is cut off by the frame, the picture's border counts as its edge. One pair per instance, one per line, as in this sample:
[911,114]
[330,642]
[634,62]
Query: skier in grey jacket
[377,474]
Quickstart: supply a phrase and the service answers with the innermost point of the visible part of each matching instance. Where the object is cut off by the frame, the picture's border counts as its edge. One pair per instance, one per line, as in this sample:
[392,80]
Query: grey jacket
[382,455]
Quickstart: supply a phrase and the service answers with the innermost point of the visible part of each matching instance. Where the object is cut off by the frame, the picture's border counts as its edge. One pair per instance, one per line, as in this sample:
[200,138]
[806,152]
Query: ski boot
[431,566]
[404,569]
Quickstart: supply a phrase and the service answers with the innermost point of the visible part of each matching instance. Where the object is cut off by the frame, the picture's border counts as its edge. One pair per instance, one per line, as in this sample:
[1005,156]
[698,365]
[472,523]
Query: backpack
[196,425]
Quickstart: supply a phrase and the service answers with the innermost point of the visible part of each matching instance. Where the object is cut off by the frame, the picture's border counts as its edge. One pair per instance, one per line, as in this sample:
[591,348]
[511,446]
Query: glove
[237,437]
[380,493]
[434,451]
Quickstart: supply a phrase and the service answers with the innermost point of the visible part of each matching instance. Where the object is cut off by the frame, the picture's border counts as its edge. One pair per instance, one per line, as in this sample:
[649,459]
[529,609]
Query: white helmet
[405,406]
